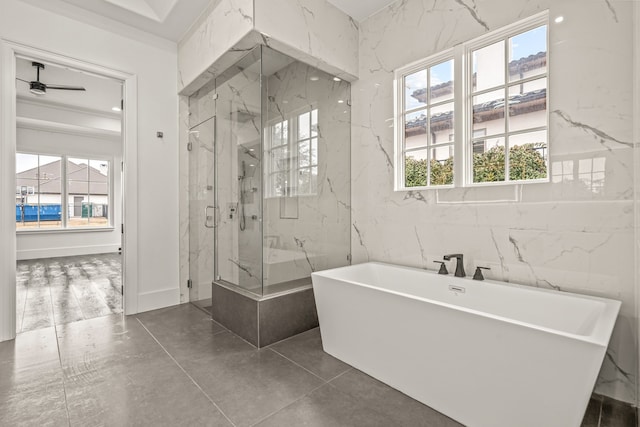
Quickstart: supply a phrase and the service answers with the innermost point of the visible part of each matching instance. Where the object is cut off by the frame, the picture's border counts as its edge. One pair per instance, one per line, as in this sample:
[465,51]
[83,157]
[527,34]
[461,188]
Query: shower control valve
[478,274]
[443,267]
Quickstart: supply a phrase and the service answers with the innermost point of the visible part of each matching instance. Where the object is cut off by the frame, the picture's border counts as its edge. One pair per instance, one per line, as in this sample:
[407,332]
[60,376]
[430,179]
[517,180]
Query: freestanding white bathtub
[487,354]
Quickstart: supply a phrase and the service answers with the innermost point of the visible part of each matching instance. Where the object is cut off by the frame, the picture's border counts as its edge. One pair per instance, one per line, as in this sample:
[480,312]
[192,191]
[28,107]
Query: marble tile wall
[313,31]
[226,24]
[318,232]
[571,234]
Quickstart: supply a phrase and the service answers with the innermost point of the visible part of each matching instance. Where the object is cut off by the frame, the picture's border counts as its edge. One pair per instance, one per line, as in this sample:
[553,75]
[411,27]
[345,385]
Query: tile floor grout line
[186,373]
[53,313]
[288,404]
[231,332]
[351,368]
[289,338]
[64,383]
[298,365]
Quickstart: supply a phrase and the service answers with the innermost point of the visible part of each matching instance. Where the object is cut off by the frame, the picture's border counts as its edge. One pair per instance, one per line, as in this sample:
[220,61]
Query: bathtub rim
[600,335]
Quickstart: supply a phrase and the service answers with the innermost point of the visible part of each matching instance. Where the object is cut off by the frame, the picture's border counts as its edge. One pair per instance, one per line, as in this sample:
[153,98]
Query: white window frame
[292,145]
[463,106]
[64,184]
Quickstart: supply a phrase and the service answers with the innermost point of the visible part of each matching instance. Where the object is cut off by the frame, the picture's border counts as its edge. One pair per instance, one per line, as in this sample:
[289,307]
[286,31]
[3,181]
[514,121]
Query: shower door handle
[209,218]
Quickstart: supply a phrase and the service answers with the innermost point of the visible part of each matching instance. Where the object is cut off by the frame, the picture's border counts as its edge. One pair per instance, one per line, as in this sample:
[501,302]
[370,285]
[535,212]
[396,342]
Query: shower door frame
[195,286]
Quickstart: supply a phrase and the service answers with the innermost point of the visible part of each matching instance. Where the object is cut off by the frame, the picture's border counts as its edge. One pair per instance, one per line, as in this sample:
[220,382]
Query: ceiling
[168,19]
[361,9]
[101,93]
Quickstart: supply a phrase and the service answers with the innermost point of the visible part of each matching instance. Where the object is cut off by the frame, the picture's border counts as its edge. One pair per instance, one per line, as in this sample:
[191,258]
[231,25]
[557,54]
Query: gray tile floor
[55,291]
[177,367]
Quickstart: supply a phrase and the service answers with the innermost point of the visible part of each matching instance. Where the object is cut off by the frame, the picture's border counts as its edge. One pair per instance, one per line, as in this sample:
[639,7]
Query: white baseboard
[158,299]
[69,251]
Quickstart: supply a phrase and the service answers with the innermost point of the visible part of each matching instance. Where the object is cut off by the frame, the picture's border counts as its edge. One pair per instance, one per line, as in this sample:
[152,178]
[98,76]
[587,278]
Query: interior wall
[562,234]
[156,170]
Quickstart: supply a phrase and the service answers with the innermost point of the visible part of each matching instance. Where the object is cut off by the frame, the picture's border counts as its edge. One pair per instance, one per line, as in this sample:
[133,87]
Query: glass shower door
[239,174]
[202,213]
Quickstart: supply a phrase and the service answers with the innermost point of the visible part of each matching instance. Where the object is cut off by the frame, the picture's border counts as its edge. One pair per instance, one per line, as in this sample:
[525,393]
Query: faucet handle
[478,274]
[443,267]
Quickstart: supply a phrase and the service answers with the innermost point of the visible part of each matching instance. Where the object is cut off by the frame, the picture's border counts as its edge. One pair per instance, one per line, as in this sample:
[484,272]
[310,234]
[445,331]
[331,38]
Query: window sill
[477,185]
[66,230]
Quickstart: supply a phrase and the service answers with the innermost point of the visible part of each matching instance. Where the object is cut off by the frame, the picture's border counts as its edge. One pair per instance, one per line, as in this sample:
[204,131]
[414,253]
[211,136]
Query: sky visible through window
[30,161]
[529,43]
[522,45]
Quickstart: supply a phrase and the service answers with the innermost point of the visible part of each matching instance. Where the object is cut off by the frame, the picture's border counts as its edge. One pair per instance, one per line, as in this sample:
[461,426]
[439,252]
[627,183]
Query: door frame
[8,52]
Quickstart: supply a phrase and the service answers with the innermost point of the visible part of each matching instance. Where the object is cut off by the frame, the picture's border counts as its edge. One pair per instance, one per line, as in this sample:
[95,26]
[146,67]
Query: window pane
[280,159]
[488,66]
[441,82]
[314,122]
[488,112]
[488,166]
[78,188]
[304,154]
[50,188]
[442,165]
[276,135]
[528,105]
[528,156]
[304,181]
[415,90]
[314,151]
[279,184]
[415,129]
[26,190]
[442,123]
[415,168]
[304,124]
[98,210]
[528,54]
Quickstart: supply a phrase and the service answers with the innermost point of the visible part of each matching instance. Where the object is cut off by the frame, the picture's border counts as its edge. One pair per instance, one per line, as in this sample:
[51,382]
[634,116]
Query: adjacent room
[68,195]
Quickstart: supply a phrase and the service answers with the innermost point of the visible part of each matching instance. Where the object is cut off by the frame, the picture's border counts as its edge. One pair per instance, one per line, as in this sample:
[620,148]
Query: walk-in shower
[281,178]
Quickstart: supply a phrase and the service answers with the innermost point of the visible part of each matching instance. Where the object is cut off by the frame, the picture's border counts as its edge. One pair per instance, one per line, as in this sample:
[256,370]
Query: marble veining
[575,233]
[597,133]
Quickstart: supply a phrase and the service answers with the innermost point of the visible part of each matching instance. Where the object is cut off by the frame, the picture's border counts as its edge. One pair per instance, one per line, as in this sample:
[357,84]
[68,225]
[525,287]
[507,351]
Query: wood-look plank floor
[55,291]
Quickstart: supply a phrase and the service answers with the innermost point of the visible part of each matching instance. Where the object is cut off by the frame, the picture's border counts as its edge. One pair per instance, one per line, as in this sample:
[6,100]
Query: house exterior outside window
[476,114]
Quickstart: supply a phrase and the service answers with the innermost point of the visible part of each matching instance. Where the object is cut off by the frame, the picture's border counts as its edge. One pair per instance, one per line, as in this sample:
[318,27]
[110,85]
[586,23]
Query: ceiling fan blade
[61,87]
[26,81]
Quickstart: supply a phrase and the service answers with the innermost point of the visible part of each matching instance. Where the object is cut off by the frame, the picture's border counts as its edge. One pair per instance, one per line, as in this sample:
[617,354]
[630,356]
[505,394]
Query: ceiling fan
[38,88]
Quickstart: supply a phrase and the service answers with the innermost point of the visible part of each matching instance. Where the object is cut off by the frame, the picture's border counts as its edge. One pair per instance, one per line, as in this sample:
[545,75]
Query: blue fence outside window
[47,213]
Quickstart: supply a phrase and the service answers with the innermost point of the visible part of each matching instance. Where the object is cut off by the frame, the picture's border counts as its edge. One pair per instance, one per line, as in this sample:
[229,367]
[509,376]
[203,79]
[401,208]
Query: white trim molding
[158,299]
[8,52]
[66,251]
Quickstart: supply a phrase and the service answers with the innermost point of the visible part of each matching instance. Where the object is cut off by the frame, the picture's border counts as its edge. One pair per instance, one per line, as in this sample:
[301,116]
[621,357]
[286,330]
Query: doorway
[68,194]
[9,55]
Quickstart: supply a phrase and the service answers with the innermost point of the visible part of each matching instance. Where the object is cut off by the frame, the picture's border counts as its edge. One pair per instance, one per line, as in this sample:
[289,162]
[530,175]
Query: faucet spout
[459,264]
